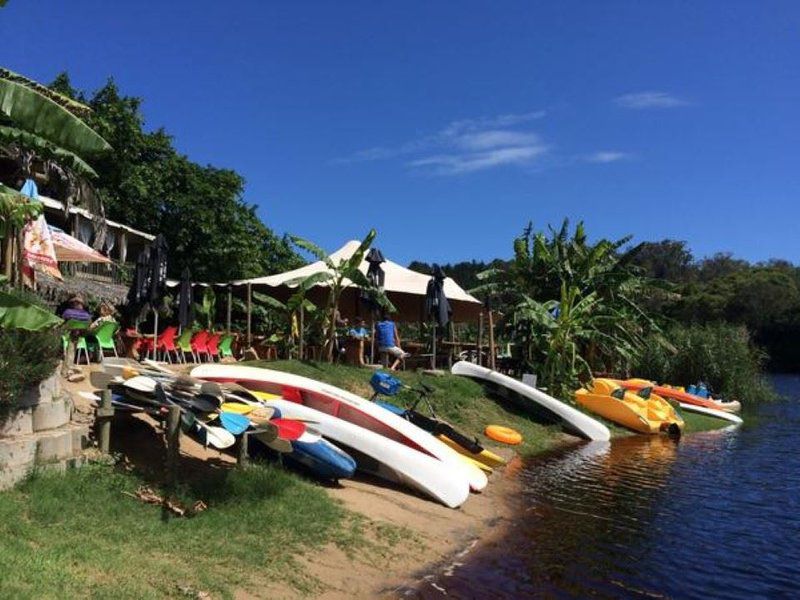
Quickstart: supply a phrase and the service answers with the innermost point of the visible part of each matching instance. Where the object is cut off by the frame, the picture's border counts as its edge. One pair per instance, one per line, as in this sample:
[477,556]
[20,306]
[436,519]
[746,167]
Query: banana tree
[337,277]
[43,128]
[18,313]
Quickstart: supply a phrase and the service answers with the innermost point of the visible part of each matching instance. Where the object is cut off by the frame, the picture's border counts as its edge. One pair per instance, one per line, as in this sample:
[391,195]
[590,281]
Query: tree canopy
[147,184]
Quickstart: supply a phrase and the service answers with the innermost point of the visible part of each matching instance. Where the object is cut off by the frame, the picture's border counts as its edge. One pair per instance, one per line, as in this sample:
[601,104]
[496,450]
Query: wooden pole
[480,339]
[104,415]
[249,314]
[491,341]
[230,304]
[173,443]
[302,328]
[241,460]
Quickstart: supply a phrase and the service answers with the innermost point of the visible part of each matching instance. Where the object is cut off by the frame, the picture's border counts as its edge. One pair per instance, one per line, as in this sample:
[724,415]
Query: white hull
[396,462]
[574,420]
[711,412]
[346,406]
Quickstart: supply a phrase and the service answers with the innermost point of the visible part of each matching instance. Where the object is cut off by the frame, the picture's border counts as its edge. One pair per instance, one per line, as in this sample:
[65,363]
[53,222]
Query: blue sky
[448,126]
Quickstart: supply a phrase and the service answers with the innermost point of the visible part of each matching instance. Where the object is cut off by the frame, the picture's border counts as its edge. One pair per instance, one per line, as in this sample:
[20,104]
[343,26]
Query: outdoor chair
[226,346]
[184,343]
[199,345]
[105,338]
[212,347]
[166,343]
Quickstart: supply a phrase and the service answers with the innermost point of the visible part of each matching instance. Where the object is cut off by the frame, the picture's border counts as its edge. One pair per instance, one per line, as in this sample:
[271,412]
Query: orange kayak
[668,392]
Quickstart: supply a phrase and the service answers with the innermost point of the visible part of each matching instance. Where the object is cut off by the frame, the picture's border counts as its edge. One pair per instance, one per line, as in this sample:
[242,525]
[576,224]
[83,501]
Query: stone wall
[40,433]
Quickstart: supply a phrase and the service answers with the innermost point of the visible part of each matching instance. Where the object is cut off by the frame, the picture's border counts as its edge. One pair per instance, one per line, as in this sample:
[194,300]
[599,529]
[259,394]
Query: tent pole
[372,340]
[491,341]
[302,327]
[433,344]
[249,314]
[230,303]
[480,338]
[155,333]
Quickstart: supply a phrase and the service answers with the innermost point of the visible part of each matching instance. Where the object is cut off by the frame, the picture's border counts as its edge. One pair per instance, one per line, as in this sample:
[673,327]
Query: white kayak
[344,405]
[711,412]
[383,457]
[543,405]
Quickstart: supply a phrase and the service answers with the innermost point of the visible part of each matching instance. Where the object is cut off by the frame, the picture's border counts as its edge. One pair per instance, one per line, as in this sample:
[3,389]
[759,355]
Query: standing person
[388,339]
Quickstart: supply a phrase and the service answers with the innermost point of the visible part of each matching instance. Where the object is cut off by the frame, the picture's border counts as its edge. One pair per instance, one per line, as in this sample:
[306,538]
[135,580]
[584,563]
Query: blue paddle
[234,422]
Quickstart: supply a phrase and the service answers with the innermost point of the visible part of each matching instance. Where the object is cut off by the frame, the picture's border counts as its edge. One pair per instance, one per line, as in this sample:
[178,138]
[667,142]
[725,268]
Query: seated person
[75,310]
[106,315]
[359,330]
[388,339]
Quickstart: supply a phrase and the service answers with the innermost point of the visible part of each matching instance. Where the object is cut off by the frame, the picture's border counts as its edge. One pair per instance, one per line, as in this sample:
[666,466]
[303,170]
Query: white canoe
[383,457]
[543,405]
[711,412]
[344,405]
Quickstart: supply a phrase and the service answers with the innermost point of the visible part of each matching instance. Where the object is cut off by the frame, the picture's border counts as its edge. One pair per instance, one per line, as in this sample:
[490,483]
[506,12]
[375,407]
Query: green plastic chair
[81,343]
[184,343]
[225,346]
[105,338]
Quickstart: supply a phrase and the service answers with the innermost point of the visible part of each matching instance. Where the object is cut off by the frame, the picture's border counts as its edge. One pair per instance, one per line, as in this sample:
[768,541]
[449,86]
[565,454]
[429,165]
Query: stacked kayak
[382,442]
[550,409]
[645,413]
[687,402]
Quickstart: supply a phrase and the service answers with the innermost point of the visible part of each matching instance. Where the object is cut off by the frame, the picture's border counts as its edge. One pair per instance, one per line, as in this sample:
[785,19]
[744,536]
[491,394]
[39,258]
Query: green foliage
[336,280]
[15,210]
[206,311]
[149,185]
[26,358]
[23,102]
[571,306]
[721,355]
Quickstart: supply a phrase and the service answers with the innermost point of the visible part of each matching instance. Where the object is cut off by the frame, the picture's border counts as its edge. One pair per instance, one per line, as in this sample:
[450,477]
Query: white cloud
[607,156]
[466,145]
[454,164]
[649,100]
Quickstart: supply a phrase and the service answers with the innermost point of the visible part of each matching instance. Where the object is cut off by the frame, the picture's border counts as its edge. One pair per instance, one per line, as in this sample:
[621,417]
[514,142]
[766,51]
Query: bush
[26,358]
[721,355]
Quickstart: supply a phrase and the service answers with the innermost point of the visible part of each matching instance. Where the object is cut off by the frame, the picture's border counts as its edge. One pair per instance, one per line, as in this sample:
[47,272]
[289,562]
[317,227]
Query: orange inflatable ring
[505,435]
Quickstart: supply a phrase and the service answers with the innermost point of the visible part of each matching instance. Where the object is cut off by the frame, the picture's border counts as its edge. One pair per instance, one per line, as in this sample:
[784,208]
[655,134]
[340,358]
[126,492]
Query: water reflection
[712,515]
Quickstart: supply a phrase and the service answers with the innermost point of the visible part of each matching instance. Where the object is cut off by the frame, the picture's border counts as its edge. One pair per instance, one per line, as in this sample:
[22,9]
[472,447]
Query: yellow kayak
[485,457]
[646,415]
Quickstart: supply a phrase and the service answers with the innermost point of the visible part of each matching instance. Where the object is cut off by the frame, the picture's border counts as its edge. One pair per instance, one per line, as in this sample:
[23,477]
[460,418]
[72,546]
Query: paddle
[215,436]
[285,432]
[236,424]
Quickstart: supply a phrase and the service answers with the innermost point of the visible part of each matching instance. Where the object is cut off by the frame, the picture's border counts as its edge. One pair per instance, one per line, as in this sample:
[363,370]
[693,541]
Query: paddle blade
[218,437]
[288,429]
[238,408]
[236,424]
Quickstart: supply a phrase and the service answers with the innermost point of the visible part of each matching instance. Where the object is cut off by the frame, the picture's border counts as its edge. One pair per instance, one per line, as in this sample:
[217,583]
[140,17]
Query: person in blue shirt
[359,329]
[388,339]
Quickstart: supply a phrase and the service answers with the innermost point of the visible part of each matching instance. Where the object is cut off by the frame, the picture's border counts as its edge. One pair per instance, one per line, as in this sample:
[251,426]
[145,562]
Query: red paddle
[288,429]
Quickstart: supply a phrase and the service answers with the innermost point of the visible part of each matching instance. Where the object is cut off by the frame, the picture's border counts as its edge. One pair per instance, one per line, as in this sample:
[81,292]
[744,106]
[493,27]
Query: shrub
[721,355]
[26,358]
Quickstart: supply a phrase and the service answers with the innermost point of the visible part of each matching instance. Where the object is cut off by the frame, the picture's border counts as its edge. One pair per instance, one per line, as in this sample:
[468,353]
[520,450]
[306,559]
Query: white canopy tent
[404,287]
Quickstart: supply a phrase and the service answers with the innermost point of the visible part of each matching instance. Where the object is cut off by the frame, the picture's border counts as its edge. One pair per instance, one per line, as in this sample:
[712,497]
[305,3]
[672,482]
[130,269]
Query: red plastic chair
[166,343]
[212,346]
[199,345]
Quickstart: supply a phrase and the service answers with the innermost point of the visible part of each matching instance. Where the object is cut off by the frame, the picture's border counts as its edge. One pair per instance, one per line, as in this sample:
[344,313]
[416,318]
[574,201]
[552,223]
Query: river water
[716,514]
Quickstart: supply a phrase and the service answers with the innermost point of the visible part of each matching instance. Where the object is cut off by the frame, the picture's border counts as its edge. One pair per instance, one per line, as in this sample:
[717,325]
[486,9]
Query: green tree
[149,185]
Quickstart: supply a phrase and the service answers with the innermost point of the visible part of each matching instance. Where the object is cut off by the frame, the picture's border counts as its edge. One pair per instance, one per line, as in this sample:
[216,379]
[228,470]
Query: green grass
[79,535]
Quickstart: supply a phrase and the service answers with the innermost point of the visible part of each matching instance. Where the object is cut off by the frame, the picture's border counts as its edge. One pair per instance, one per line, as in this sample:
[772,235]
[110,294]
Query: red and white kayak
[678,395]
[344,405]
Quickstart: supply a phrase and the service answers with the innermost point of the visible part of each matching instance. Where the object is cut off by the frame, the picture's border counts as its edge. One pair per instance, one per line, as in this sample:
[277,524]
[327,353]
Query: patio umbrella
[437,306]
[137,293]
[70,249]
[377,277]
[185,303]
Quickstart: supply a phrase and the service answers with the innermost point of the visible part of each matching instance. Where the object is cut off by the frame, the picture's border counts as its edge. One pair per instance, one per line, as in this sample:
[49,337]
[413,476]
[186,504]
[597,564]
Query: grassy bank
[80,535]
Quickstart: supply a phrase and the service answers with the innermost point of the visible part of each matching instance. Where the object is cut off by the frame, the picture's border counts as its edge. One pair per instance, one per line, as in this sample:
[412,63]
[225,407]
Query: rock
[51,415]
[19,422]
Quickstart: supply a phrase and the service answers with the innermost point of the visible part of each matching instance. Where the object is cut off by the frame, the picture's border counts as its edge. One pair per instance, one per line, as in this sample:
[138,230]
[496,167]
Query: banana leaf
[16,313]
[32,111]
[46,149]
